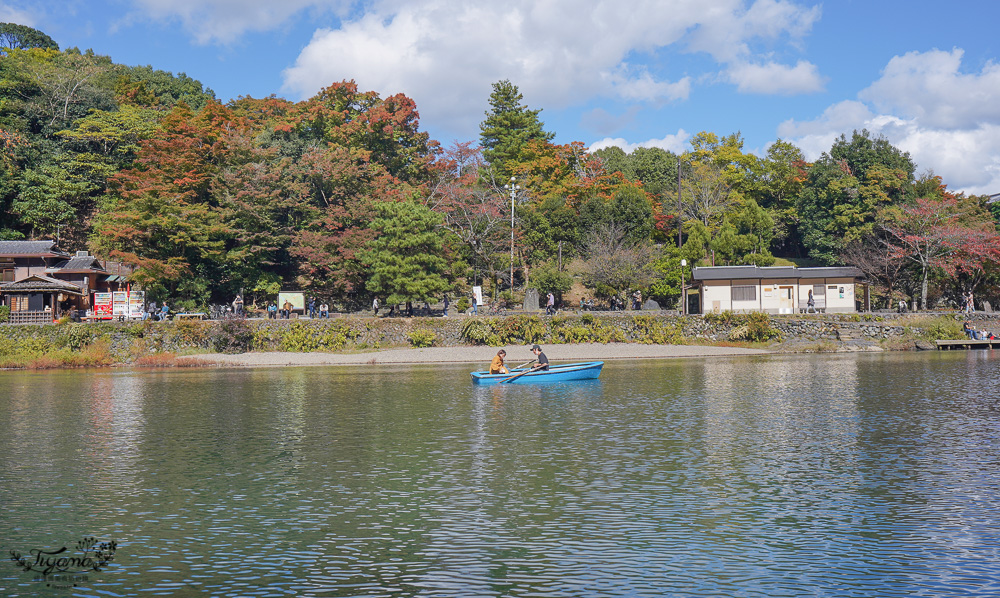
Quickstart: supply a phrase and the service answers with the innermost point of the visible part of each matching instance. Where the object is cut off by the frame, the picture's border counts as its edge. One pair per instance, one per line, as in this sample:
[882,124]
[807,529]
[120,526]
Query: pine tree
[508,127]
[405,259]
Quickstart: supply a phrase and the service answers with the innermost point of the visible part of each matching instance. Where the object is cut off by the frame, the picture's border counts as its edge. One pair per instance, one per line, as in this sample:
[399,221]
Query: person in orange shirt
[497,366]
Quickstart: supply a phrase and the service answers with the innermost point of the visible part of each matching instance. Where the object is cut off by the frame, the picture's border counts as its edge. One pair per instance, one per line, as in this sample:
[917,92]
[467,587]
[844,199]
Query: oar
[522,365]
[518,375]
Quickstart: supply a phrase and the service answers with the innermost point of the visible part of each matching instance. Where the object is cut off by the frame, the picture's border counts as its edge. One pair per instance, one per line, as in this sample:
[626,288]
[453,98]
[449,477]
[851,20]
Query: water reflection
[852,475]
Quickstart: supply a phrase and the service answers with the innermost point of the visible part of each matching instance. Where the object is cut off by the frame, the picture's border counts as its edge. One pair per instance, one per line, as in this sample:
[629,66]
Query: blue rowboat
[556,373]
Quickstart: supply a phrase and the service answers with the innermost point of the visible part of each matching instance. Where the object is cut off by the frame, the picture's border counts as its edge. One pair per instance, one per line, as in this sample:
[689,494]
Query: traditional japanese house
[40,283]
[39,299]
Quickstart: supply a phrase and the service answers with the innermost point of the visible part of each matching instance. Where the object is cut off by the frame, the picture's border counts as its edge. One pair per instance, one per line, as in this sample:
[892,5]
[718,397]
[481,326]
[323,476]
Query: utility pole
[513,189]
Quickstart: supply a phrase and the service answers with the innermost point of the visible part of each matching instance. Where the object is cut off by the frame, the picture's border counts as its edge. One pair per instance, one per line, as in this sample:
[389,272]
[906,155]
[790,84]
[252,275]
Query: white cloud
[816,136]
[929,87]
[644,88]
[673,143]
[773,78]
[949,122]
[727,29]
[11,14]
[446,53]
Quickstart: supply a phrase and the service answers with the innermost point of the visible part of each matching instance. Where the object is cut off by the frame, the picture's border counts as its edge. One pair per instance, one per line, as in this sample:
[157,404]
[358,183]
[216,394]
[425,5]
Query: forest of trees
[343,196]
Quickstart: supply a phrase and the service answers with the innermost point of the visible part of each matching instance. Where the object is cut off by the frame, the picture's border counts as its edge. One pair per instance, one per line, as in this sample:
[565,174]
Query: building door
[785,299]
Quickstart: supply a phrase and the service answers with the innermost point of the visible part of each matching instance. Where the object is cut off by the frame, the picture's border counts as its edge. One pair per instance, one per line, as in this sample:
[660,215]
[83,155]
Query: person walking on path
[475,306]
[446,303]
[375,306]
[550,305]
[811,304]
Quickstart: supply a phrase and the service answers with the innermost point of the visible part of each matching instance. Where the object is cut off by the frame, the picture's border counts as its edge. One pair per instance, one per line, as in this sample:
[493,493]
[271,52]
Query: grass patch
[36,358]
[798,262]
[932,328]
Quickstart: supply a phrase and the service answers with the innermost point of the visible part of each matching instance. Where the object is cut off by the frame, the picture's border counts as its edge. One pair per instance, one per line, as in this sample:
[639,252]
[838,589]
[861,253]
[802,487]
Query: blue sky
[924,74]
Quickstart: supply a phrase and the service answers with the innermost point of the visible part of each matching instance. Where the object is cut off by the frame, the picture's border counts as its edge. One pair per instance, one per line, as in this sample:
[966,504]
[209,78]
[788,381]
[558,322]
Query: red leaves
[945,233]
[951,233]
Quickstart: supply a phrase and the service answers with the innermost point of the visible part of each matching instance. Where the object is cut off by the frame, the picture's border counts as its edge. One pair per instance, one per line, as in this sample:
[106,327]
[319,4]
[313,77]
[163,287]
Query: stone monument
[531,300]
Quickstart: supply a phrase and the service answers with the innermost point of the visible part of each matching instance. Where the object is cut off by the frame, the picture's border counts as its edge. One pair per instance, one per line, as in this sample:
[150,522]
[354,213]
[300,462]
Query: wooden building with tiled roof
[39,282]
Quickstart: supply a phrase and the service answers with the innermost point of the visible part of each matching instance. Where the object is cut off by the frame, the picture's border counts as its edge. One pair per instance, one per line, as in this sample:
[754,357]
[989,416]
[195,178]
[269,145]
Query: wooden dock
[967,344]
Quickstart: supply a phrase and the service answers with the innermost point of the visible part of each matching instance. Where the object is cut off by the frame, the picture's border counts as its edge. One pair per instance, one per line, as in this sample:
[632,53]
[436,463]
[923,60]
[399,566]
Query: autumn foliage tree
[161,215]
[475,209]
[949,233]
[208,199]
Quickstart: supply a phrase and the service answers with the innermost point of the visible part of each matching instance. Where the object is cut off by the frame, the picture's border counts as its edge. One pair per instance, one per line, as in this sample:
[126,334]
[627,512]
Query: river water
[835,475]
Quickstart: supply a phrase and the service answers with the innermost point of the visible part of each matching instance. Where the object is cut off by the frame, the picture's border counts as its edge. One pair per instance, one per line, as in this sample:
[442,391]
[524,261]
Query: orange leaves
[566,171]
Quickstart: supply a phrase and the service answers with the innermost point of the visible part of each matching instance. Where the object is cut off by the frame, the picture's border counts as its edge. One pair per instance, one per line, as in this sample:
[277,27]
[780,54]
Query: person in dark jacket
[543,361]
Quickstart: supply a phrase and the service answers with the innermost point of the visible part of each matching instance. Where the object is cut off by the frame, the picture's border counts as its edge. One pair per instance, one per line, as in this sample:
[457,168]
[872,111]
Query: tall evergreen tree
[23,37]
[508,127]
[845,189]
[405,259]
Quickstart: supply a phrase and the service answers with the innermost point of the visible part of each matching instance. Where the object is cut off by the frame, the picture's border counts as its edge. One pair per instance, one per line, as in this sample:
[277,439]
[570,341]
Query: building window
[745,293]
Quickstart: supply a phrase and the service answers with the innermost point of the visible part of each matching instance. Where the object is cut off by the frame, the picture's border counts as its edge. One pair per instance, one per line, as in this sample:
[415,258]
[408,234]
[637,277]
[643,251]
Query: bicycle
[225,312]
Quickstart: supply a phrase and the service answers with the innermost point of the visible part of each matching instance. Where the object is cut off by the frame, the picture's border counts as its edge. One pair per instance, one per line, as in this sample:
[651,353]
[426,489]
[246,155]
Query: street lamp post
[513,189]
[683,309]
[679,202]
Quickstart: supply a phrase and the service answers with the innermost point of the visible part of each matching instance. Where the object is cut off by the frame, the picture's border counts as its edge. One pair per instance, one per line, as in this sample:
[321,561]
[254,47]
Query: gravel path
[515,355]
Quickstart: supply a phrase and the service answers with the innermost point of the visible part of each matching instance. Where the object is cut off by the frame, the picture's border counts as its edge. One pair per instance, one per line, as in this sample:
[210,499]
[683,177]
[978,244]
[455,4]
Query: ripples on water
[851,475]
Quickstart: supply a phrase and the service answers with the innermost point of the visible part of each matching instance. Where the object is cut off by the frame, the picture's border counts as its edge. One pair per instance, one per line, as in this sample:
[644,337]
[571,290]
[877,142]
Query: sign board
[298,300]
[102,306]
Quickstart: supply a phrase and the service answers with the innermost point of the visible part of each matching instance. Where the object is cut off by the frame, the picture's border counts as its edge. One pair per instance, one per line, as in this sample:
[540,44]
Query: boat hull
[556,373]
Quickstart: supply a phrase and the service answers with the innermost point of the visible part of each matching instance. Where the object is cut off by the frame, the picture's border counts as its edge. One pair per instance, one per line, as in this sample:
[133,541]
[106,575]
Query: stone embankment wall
[127,341]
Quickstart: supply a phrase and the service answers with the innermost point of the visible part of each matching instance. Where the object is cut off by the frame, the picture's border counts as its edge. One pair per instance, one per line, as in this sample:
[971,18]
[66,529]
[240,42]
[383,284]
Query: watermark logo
[64,566]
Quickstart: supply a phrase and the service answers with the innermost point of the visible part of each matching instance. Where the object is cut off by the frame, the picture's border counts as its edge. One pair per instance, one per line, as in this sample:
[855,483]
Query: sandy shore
[515,355]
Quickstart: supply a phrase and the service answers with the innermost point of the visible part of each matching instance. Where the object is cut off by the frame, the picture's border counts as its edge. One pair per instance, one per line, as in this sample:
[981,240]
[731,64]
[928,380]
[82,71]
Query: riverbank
[364,340]
[515,355]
